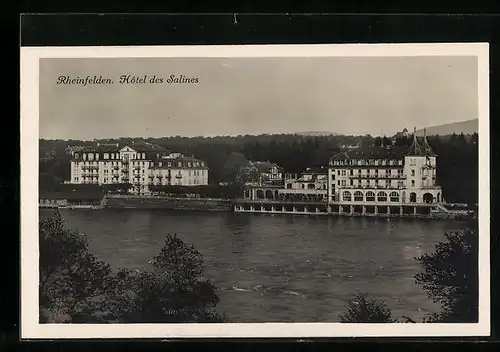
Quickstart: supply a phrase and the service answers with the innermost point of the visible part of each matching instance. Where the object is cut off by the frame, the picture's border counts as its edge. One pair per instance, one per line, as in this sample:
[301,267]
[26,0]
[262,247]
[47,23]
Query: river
[279,268]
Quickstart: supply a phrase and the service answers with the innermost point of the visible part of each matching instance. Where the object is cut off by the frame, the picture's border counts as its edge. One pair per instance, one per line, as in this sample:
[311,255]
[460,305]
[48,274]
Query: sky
[347,95]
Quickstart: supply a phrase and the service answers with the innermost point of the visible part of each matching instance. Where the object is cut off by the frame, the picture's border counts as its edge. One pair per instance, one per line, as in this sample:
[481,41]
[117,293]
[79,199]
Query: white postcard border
[32,329]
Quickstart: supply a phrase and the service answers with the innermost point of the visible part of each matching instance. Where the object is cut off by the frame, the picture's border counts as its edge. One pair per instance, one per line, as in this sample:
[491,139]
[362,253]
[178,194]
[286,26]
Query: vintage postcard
[255,191]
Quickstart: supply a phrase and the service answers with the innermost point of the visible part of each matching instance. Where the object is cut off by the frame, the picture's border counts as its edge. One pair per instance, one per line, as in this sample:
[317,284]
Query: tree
[232,165]
[450,277]
[361,309]
[172,291]
[76,287]
[73,281]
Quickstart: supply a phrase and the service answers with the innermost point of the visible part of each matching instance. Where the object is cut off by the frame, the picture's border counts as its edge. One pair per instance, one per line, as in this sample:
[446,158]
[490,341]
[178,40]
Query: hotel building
[384,177]
[311,184]
[139,164]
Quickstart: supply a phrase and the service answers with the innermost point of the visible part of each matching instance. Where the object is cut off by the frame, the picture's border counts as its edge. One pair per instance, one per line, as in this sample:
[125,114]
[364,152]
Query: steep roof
[420,150]
[316,170]
[263,166]
[390,152]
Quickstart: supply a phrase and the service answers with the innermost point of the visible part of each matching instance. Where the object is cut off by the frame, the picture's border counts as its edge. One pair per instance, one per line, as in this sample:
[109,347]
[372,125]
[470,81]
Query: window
[370,196]
[358,196]
[76,155]
[338,172]
[351,182]
[382,197]
[338,183]
[333,176]
[394,196]
[346,196]
[351,172]
[179,164]
[412,172]
[413,183]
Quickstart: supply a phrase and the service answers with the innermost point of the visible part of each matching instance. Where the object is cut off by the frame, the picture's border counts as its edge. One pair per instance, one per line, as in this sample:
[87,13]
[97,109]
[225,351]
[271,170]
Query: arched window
[428,198]
[76,155]
[310,186]
[382,197]
[413,197]
[370,196]
[346,196]
[358,196]
[260,194]
[394,196]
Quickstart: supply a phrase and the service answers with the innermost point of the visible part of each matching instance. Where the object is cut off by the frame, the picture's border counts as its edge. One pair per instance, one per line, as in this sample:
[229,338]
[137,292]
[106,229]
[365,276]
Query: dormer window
[76,155]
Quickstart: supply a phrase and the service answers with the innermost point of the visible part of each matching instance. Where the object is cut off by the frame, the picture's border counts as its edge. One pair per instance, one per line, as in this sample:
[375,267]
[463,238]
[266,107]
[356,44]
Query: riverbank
[166,203]
[169,203]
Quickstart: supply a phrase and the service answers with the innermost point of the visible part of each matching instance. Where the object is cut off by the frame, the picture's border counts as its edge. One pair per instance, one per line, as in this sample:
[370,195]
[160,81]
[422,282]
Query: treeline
[457,155]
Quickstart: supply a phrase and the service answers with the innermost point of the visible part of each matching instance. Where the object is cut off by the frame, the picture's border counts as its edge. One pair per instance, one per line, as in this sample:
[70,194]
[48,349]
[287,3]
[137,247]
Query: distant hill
[316,133]
[465,127]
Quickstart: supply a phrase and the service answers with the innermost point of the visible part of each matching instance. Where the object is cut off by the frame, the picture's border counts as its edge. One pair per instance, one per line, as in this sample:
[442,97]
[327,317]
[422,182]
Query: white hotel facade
[385,176]
[139,164]
[391,180]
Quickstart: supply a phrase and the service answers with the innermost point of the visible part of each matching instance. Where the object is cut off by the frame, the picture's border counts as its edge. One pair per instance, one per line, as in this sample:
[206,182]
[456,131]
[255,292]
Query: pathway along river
[279,268]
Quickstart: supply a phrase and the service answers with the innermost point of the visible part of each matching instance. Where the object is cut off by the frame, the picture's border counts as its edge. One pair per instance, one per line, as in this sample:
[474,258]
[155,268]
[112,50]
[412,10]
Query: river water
[279,268]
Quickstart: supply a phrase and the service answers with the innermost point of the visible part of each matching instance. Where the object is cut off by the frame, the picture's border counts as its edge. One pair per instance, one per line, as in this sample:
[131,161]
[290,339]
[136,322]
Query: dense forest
[457,156]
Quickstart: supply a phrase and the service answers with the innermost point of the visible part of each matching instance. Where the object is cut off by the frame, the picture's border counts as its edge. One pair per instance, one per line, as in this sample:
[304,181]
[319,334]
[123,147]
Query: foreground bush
[361,309]
[75,286]
[451,278]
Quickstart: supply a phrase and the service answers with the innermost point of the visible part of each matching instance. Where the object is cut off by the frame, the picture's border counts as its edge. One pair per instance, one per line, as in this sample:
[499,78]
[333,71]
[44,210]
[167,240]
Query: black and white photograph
[255,191]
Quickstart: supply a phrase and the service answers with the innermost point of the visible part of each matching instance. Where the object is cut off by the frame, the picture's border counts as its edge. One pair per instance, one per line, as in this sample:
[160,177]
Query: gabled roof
[263,166]
[390,152]
[319,170]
